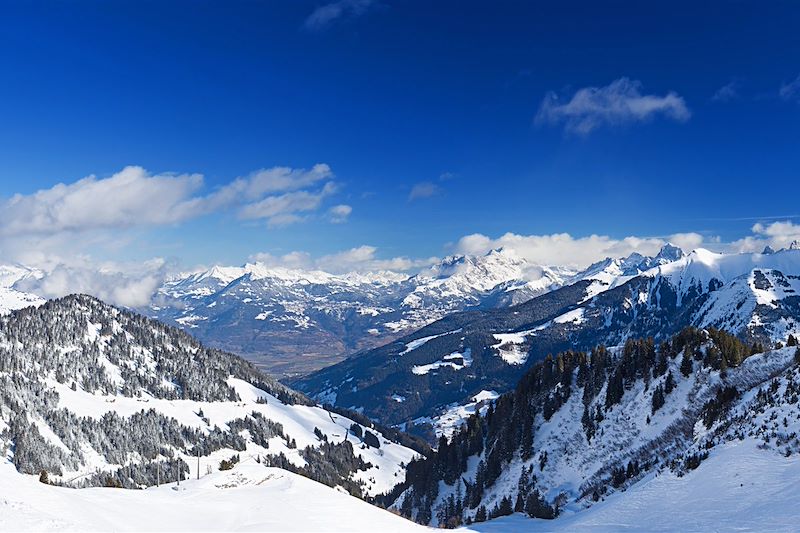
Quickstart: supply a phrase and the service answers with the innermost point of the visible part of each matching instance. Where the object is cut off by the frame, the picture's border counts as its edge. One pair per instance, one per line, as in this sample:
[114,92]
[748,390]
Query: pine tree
[686,363]
[658,399]
[669,383]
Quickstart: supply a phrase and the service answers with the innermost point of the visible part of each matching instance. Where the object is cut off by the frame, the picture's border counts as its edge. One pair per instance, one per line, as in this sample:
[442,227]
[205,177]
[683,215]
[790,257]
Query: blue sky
[436,121]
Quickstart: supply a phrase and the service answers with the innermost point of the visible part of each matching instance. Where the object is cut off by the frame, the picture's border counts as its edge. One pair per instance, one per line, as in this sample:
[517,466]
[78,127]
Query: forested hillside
[583,425]
[94,395]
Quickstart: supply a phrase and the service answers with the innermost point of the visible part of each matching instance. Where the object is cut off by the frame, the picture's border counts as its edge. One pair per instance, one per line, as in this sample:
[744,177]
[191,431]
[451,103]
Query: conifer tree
[686,364]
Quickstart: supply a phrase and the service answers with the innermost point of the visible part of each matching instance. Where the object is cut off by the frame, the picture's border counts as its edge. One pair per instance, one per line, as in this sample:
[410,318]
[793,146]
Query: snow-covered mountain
[291,322]
[295,321]
[94,395]
[440,368]
[11,298]
[621,439]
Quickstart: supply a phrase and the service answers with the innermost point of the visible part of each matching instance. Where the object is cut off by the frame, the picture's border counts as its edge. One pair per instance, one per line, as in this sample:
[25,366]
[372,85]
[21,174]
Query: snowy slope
[89,393]
[618,460]
[738,488]
[251,497]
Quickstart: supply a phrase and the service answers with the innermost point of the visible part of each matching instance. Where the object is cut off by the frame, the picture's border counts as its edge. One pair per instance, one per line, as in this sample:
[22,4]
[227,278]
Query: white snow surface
[701,266]
[413,345]
[455,360]
[251,497]
[455,415]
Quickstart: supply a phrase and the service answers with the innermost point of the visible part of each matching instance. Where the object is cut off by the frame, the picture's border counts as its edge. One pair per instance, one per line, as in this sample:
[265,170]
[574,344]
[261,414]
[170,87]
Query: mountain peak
[669,252]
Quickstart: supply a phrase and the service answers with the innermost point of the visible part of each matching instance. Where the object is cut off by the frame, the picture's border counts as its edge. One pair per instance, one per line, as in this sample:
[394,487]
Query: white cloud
[129,285]
[130,197]
[134,197]
[727,92]
[339,213]
[616,104]
[270,181]
[285,207]
[791,90]
[362,258]
[564,249]
[777,235]
[325,15]
[690,241]
[425,189]
[55,229]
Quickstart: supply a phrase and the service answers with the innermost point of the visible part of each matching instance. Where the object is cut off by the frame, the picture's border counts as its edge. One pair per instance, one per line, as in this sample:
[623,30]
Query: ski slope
[251,497]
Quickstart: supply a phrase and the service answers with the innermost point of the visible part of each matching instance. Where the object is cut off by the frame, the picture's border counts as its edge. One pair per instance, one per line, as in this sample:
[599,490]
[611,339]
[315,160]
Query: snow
[455,416]
[630,430]
[701,266]
[298,422]
[575,316]
[738,488]
[511,346]
[455,360]
[251,497]
[413,345]
[11,299]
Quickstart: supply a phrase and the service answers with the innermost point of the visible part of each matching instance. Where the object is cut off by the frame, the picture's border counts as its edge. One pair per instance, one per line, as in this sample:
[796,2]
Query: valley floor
[250,497]
[738,488]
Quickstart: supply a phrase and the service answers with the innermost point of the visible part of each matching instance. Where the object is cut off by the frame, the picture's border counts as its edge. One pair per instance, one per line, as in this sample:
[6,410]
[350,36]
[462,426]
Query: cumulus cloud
[425,189]
[134,197]
[55,229]
[130,197]
[564,249]
[339,213]
[619,103]
[777,235]
[791,90]
[325,15]
[128,285]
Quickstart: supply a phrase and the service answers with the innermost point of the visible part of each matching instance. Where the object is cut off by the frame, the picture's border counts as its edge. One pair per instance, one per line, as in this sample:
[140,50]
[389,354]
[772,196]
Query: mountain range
[291,322]
[604,400]
[422,380]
